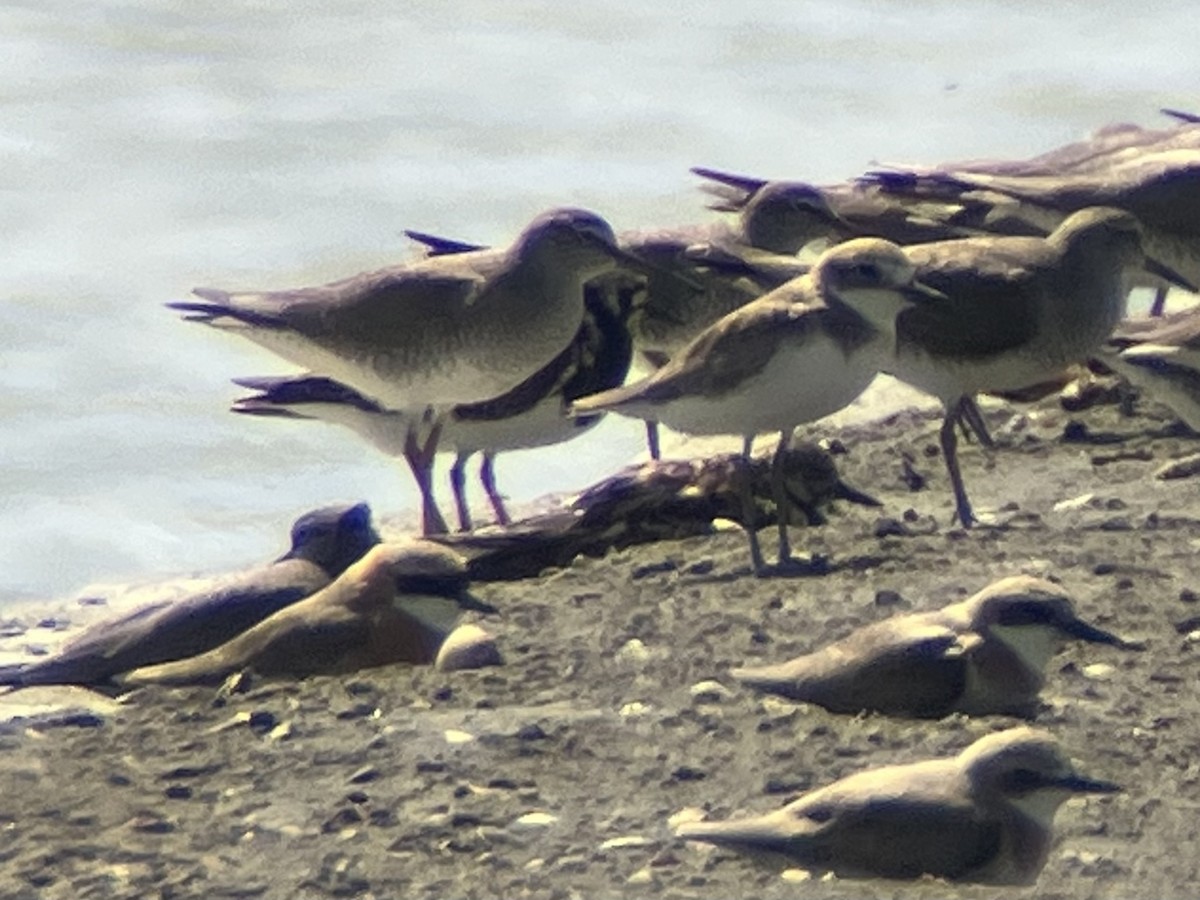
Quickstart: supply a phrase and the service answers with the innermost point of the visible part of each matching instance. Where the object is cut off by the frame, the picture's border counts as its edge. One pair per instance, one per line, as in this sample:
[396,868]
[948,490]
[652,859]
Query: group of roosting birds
[960,279]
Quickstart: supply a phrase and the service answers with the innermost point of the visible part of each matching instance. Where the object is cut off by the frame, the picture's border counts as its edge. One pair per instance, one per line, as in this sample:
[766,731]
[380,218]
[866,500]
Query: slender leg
[972,418]
[783,505]
[1160,300]
[750,510]
[420,460]
[949,441]
[652,440]
[487,475]
[458,483]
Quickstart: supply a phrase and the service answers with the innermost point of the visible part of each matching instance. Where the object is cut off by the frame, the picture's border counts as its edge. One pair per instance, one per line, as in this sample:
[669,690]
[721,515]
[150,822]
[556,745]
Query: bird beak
[1154,267]
[1078,784]
[919,292]
[469,601]
[1077,628]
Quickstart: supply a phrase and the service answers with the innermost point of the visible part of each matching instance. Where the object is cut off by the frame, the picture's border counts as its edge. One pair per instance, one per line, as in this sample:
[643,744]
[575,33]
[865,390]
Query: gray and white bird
[534,414]
[1019,310]
[438,332]
[325,542]
[794,355]
[985,815]
[1161,356]
[985,655]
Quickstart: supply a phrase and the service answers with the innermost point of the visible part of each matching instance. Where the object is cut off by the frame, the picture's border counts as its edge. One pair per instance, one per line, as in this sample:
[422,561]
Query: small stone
[1083,501]
[533,820]
[641,876]
[262,721]
[688,773]
[1099,671]
[149,823]
[793,876]
[889,527]
[281,732]
[531,732]
[1184,467]
[454,736]
[468,647]
[178,792]
[629,841]
[633,651]
[1187,595]
[709,691]
[633,710]
[365,775]
[888,598]
[686,816]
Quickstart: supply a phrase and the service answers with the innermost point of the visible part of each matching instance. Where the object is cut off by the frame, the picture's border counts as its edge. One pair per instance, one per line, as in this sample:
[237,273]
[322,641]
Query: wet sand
[556,774]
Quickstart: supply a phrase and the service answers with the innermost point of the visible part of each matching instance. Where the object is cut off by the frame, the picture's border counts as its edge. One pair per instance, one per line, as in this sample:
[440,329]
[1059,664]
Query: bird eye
[867,271]
[1021,781]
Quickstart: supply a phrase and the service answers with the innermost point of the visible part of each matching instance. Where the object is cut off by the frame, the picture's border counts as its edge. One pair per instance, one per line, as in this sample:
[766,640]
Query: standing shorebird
[1019,311]
[985,655]
[437,332]
[1156,178]
[986,815]
[534,414]
[794,355]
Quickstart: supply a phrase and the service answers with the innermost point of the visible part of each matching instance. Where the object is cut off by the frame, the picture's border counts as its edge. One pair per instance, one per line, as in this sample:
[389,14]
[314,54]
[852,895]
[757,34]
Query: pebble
[633,709]
[468,647]
[633,651]
[626,842]
[709,691]
[793,876]
[1099,671]
[533,820]
[454,736]
[1184,467]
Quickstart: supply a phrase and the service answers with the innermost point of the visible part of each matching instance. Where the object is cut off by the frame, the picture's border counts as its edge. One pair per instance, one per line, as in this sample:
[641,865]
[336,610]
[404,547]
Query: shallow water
[148,147]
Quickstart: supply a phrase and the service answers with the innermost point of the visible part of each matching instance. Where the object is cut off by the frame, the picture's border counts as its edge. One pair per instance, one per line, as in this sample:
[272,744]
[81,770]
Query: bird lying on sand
[983,655]
[985,815]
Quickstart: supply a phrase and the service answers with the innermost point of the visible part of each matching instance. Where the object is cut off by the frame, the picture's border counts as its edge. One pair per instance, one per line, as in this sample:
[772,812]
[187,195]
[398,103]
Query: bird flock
[958,278]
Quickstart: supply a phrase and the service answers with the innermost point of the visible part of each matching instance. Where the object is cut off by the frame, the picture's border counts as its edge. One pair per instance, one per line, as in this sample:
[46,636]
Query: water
[148,147]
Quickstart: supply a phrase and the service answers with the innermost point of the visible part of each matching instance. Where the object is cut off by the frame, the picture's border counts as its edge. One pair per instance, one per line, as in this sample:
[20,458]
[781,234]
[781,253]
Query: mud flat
[556,774]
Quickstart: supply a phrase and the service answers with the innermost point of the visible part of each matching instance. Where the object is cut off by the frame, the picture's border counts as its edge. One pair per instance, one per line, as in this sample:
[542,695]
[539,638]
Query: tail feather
[215,304]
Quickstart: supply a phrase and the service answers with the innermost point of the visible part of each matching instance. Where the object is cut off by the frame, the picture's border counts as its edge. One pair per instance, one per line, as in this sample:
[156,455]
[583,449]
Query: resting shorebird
[794,355]
[1019,311]
[324,543]
[534,414]
[984,655]
[986,815]
[437,332]
[396,604]
[1161,356]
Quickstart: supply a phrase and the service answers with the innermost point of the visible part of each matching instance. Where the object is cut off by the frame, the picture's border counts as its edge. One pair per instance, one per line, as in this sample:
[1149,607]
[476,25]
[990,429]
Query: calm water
[148,147]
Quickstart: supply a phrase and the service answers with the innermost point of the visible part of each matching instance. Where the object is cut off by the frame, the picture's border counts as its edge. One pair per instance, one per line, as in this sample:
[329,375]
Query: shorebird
[858,209]
[324,543]
[436,332]
[696,274]
[534,414]
[985,655]
[1153,175]
[795,355]
[396,604]
[985,815]
[1019,311]
[1161,356]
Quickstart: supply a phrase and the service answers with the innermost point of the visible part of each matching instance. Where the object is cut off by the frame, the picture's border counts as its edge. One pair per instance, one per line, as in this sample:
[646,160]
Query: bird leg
[458,483]
[487,475]
[419,457]
[779,492]
[750,508]
[652,440]
[971,418]
[949,442]
[1160,300]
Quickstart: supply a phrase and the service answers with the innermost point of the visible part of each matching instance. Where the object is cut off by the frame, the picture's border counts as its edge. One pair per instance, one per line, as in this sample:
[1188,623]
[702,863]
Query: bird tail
[216,305]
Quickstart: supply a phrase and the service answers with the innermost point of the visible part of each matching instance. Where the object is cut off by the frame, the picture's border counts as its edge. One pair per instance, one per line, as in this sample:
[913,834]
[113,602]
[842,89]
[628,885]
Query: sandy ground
[556,774]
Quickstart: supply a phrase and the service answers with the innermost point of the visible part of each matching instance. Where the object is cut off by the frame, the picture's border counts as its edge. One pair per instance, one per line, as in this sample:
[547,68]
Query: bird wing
[992,288]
